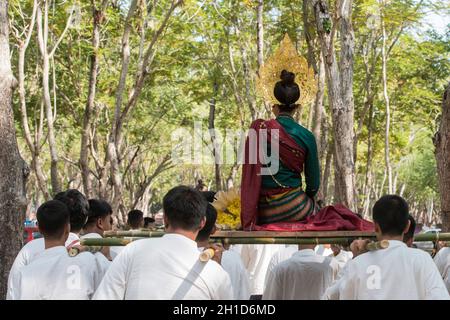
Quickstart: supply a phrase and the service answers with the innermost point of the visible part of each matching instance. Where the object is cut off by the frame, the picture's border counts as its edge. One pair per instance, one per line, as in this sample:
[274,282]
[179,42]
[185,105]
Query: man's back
[304,276]
[397,272]
[53,275]
[442,260]
[256,258]
[343,257]
[27,254]
[164,268]
[233,265]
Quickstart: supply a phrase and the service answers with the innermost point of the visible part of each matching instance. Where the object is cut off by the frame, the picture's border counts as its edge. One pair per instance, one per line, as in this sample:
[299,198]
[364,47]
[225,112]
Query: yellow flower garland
[228,206]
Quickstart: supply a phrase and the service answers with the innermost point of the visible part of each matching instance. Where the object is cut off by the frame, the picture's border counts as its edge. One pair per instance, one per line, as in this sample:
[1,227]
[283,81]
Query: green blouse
[311,169]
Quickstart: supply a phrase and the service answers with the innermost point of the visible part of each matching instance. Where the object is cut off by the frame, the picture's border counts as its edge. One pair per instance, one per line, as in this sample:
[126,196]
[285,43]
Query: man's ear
[214,229]
[202,223]
[377,227]
[66,231]
[166,221]
[407,227]
[99,223]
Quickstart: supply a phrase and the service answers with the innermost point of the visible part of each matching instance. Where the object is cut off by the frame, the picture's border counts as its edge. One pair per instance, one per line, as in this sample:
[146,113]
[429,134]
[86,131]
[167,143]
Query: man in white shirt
[408,237]
[53,274]
[256,259]
[341,256]
[323,250]
[99,221]
[278,257]
[135,219]
[304,276]
[78,207]
[397,272]
[230,261]
[168,268]
[442,261]
[135,222]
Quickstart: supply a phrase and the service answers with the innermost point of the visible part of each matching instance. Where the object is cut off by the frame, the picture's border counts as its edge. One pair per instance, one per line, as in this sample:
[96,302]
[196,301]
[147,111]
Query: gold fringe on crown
[286,57]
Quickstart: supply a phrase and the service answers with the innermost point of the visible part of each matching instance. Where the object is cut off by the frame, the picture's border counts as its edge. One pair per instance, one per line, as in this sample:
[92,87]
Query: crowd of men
[169,267]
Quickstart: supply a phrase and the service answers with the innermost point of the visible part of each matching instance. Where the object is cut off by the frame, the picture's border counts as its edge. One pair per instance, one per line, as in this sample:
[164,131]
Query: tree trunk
[368,178]
[97,17]
[34,145]
[388,111]
[13,169]
[327,172]
[340,92]
[112,140]
[43,41]
[319,110]
[442,144]
[260,43]
[307,26]
[260,32]
[247,79]
[212,131]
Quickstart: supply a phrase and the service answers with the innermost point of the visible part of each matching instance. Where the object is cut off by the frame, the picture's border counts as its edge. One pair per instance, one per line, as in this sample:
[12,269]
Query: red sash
[290,154]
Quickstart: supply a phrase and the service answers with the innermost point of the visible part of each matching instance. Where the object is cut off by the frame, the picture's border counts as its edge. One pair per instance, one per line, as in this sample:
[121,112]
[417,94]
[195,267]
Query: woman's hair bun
[288,78]
[286,91]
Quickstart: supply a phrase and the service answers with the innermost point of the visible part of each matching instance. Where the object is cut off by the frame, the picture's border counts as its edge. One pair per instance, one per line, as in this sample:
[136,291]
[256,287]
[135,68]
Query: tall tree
[339,75]
[13,169]
[97,18]
[442,145]
[50,109]
[387,157]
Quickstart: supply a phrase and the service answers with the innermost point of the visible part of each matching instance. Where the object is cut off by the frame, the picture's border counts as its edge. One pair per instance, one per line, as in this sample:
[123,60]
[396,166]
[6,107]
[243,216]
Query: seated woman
[280,196]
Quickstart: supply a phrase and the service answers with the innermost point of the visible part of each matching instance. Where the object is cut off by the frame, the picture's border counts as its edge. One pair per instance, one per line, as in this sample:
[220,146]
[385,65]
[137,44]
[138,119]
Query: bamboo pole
[74,251]
[263,240]
[377,245]
[134,233]
[102,242]
[206,255]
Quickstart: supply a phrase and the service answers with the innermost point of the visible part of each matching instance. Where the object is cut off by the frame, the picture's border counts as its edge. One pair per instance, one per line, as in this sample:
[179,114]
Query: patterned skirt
[289,206]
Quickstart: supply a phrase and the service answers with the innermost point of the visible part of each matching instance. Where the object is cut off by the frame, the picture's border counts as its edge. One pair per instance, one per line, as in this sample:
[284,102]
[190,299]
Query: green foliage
[206,44]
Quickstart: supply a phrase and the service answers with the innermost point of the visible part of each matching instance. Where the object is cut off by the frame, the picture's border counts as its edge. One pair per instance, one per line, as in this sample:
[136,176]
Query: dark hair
[78,207]
[184,208]
[147,221]
[211,217]
[135,218]
[98,209]
[52,217]
[391,212]
[287,91]
[412,227]
[209,195]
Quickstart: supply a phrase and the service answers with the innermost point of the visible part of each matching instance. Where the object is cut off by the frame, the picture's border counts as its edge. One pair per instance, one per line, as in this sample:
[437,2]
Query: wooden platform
[285,234]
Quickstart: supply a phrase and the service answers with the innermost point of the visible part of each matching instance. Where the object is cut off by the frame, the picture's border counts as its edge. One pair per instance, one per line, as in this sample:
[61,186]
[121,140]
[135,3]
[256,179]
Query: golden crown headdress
[286,57]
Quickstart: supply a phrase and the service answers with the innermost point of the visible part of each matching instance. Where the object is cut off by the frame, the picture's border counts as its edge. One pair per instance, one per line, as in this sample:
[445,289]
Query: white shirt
[442,261]
[166,268]
[102,262]
[394,273]
[233,265]
[27,254]
[304,276]
[322,251]
[54,275]
[343,257]
[114,251]
[279,257]
[256,258]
